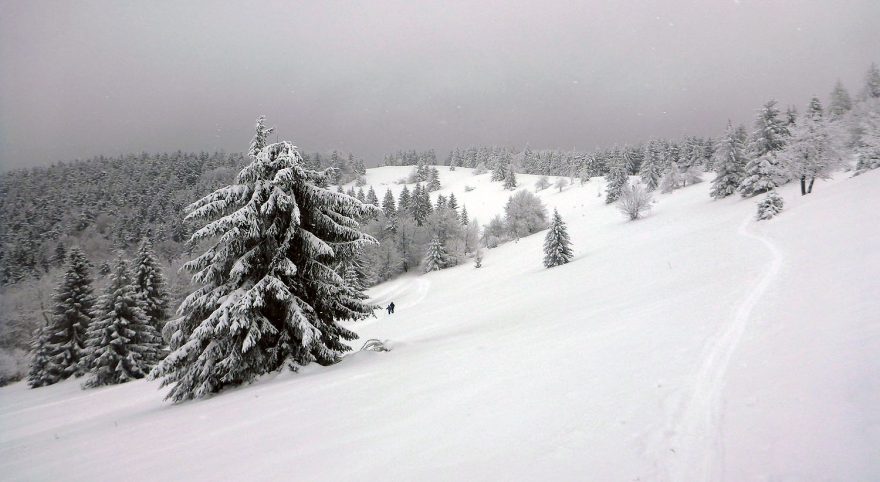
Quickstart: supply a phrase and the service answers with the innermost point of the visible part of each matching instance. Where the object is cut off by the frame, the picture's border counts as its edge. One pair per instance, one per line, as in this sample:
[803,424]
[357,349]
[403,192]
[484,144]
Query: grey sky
[81,78]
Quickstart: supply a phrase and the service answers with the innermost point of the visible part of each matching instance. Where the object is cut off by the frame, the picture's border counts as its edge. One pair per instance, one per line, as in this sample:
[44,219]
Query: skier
[390,308]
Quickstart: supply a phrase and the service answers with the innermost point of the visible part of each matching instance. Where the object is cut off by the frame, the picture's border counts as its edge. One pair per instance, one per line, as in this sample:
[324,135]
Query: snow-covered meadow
[694,344]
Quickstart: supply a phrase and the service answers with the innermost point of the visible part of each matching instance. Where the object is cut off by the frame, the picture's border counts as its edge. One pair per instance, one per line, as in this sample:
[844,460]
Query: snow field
[695,344]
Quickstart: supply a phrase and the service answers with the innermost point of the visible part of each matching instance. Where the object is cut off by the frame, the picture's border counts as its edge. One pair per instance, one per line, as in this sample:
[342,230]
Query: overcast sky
[81,78]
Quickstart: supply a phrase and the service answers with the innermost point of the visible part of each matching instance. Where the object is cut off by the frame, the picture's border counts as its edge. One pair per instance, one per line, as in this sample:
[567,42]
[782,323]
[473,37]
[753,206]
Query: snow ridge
[695,434]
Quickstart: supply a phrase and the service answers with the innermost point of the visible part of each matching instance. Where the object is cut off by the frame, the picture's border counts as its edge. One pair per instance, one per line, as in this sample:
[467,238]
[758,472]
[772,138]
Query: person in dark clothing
[390,308]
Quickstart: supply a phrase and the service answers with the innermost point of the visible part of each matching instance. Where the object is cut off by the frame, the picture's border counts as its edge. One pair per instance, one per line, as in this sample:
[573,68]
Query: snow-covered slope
[695,344]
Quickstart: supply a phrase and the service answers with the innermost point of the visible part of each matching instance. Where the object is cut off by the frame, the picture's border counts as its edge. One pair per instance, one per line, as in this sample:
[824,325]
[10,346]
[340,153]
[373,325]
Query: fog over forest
[85,78]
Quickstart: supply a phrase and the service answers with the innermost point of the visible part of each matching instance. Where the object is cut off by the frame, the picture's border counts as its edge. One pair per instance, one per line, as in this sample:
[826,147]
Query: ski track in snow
[694,434]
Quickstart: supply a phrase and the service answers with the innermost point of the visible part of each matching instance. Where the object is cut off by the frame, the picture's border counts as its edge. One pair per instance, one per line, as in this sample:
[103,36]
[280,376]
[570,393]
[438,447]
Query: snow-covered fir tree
[121,344]
[729,164]
[421,204]
[868,145]
[615,179]
[261,138]
[652,165]
[149,284]
[841,103]
[872,83]
[40,373]
[509,178]
[464,215]
[770,206]
[763,171]
[452,203]
[557,245]
[499,171]
[372,198]
[388,206]
[812,151]
[65,335]
[269,296]
[435,256]
[404,201]
[433,180]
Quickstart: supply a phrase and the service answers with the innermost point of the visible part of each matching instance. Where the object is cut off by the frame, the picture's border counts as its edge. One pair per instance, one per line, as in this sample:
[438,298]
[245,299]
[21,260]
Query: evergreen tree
[729,164]
[435,256]
[404,201]
[452,203]
[868,145]
[372,198]
[441,202]
[770,206]
[763,171]
[41,373]
[464,215]
[72,314]
[121,344]
[388,204]
[269,295]
[872,83]
[615,179]
[557,246]
[149,285]
[499,171]
[652,165]
[421,204]
[60,254]
[840,101]
[791,116]
[433,180]
[261,138]
[509,178]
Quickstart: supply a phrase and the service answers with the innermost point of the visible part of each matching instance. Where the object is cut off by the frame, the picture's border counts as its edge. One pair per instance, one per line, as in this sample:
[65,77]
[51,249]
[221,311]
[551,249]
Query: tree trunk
[803,185]
[810,188]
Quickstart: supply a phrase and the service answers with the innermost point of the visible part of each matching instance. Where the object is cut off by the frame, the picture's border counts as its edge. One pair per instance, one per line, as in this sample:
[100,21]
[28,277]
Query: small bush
[634,201]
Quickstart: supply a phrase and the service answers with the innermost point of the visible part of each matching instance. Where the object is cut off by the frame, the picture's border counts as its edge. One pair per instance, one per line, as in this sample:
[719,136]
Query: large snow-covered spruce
[121,343]
[730,163]
[763,171]
[557,245]
[60,345]
[270,294]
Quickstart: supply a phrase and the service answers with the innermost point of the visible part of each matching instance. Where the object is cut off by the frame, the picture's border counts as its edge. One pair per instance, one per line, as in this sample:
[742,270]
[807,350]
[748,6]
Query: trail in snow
[404,292]
[694,434]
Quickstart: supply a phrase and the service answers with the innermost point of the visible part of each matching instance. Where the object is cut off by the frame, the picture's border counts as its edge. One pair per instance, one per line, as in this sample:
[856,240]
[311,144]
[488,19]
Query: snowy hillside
[694,344]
